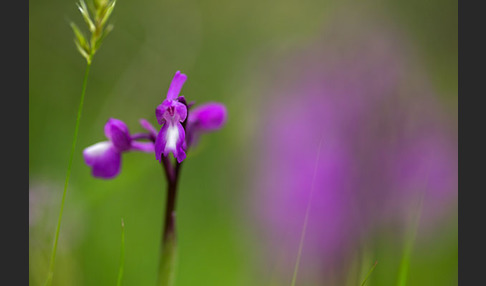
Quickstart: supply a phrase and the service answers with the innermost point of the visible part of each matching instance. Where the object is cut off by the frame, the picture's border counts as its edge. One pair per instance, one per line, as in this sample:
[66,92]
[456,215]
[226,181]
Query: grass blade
[122,254]
[369,273]
[68,174]
[407,252]
[304,228]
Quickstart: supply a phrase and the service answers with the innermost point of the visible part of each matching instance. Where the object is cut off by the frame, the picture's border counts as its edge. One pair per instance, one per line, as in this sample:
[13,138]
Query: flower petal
[117,131]
[170,139]
[160,142]
[205,118]
[147,147]
[208,117]
[104,160]
[176,85]
[149,127]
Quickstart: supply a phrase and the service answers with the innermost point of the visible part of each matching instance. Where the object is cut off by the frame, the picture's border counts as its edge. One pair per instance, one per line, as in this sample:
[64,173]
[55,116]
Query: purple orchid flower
[104,157]
[171,113]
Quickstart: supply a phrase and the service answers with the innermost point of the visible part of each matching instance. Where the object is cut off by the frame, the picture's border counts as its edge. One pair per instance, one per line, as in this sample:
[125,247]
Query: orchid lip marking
[171,137]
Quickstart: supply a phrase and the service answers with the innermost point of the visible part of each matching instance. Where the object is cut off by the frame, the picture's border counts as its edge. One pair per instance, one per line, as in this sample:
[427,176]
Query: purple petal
[205,118]
[181,111]
[149,127]
[208,117]
[170,139]
[104,160]
[117,131]
[159,112]
[176,85]
[147,147]
[160,142]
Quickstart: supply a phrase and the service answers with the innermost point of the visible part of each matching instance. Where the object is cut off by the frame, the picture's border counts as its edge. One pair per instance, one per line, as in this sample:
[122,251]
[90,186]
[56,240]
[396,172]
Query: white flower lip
[172,137]
[97,149]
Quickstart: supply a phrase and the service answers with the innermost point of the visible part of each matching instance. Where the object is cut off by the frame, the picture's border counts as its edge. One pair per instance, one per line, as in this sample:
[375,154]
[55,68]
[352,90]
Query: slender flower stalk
[103,10]
[168,249]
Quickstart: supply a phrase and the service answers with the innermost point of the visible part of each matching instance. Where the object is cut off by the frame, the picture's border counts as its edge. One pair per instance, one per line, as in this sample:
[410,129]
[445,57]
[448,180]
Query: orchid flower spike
[104,157]
[171,114]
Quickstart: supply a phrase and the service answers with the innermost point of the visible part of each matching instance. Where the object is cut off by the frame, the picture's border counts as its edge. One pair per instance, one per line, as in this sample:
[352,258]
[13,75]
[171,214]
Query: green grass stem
[122,254]
[369,273]
[68,174]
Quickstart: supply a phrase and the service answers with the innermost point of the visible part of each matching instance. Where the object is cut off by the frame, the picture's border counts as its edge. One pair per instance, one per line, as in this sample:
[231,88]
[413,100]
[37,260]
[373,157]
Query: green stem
[369,273]
[168,261]
[168,249]
[80,108]
[122,255]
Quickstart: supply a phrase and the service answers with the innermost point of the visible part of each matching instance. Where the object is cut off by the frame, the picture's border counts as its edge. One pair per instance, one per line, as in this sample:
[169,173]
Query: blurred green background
[219,45]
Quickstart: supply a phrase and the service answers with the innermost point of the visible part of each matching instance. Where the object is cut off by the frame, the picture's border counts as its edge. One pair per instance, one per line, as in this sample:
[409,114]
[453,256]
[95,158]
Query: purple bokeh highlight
[386,143]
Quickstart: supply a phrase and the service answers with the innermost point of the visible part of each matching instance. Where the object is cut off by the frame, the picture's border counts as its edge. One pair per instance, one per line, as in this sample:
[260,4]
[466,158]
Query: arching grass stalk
[102,10]
[304,228]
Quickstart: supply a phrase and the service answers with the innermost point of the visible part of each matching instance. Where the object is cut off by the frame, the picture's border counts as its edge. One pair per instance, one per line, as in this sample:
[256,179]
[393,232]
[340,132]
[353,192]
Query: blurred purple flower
[385,144]
[171,113]
[104,157]
[205,118]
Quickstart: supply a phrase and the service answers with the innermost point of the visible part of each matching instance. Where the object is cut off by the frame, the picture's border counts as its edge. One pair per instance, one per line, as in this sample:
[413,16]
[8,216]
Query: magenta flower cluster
[181,127]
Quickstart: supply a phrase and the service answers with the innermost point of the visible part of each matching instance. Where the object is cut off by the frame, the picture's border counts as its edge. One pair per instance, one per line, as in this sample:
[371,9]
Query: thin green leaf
[369,273]
[122,254]
[50,274]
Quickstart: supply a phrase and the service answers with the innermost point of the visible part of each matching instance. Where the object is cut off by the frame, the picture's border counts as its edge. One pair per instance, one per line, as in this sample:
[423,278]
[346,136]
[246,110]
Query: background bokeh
[248,55]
